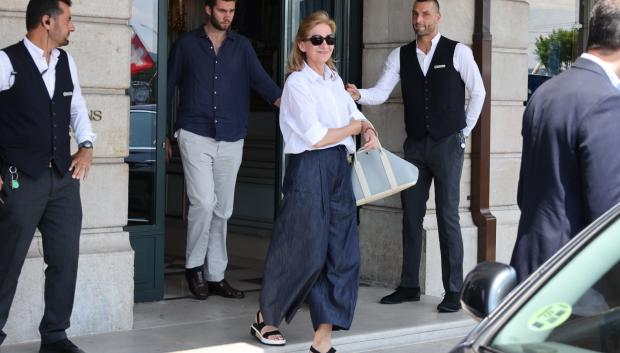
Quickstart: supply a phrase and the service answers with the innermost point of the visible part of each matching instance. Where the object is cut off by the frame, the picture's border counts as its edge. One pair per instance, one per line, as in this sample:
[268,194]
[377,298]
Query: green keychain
[14,178]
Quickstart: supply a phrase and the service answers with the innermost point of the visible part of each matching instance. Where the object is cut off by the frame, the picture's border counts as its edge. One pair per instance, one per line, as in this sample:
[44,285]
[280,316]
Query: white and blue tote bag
[378,173]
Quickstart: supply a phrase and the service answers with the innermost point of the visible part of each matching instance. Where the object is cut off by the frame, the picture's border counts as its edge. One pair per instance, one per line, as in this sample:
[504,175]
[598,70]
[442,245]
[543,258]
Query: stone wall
[509,26]
[104,296]
[387,25]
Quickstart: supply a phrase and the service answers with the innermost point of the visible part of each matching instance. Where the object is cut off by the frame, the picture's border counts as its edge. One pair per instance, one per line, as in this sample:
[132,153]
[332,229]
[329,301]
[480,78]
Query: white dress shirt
[463,62]
[613,77]
[80,123]
[311,105]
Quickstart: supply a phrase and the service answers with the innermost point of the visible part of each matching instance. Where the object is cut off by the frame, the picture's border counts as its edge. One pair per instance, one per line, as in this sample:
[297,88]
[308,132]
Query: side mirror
[485,287]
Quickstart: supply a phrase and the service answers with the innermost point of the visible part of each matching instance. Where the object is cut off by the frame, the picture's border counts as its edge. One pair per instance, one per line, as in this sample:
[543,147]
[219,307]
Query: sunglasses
[317,40]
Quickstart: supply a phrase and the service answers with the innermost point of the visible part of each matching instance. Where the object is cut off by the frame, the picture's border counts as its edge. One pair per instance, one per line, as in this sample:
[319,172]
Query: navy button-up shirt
[214,90]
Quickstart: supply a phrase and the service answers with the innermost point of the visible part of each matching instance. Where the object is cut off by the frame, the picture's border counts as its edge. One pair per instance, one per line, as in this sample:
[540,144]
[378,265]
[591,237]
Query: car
[570,304]
[533,82]
[142,161]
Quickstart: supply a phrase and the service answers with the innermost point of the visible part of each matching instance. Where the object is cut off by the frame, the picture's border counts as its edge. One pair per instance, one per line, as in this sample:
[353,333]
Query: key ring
[14,177]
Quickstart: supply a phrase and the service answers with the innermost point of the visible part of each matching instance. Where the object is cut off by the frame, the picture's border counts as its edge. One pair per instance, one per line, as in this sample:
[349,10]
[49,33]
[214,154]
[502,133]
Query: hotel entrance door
[157,199]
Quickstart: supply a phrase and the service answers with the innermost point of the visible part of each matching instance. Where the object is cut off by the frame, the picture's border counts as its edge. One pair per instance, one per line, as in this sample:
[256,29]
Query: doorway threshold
[219,325]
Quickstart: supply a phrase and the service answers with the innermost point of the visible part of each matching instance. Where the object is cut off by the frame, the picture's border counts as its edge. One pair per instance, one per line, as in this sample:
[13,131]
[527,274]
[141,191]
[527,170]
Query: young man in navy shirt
[214,68]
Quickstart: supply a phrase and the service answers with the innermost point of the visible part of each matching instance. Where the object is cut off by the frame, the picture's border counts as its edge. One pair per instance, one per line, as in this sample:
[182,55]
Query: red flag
[140,58]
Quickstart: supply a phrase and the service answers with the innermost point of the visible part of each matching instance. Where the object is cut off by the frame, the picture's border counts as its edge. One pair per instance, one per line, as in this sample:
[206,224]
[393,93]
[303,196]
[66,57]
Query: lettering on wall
[95,115]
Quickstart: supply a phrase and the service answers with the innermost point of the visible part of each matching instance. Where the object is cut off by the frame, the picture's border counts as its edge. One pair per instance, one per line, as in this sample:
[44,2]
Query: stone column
[104,296]
[509,26]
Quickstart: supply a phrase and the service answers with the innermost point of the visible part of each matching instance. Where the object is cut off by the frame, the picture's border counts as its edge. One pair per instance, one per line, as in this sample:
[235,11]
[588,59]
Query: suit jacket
[570,168]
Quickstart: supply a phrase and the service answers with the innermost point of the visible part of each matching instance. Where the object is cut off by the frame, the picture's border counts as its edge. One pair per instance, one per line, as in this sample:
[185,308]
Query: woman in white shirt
[314,252]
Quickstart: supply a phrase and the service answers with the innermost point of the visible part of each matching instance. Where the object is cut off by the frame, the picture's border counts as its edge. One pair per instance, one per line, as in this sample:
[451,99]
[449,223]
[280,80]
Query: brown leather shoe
[197,284]
[222,288]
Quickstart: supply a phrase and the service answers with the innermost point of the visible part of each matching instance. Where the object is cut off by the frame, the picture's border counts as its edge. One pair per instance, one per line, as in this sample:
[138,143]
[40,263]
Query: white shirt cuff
[467,131]
[362,100]
[85,137]
[315,134]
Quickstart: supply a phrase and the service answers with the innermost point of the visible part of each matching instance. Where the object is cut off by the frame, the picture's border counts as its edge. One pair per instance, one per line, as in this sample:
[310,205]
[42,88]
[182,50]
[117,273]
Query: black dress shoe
[451,303]
[63,346]
[197,283]
[402,294]
[222,288]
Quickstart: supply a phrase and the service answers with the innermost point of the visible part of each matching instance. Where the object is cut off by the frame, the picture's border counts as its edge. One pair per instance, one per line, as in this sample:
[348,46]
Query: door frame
[152,237]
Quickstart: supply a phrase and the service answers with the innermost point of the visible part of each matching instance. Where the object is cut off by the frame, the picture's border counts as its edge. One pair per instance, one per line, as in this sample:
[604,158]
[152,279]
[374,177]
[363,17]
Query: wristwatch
[86,144]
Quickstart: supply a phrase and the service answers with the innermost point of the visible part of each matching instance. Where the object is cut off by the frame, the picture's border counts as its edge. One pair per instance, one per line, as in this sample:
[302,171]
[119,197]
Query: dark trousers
[52,204]
[442,162]
[314,253]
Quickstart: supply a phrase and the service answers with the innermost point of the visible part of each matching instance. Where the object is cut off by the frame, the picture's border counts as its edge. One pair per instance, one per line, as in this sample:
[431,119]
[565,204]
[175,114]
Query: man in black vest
[433,81]
[40,101]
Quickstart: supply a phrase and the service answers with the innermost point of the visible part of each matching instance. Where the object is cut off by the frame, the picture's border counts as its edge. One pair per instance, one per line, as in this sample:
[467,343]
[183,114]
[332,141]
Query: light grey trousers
[210,169]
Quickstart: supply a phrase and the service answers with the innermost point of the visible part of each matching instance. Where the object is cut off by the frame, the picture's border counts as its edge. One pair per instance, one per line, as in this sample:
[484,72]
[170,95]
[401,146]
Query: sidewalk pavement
[442,346]
[220,325]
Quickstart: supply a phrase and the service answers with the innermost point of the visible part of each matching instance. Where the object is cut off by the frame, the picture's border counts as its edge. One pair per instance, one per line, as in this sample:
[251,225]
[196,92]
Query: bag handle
[361,177]
[387,166]
[388,169]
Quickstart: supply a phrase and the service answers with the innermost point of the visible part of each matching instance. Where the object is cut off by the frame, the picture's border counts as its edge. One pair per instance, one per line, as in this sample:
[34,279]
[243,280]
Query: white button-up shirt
[613,78]
[311,105]
[463,62]
[80,123]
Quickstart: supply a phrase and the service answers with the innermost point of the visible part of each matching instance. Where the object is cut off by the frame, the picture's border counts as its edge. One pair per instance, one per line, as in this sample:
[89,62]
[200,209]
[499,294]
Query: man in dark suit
[570,169]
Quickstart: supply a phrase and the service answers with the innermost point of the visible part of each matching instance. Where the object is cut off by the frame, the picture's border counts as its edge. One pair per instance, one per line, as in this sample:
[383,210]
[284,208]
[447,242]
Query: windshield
[578,310]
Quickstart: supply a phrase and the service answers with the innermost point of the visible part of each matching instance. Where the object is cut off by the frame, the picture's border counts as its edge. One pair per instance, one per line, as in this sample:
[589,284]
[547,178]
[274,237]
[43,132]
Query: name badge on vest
[67,94]
[439,67]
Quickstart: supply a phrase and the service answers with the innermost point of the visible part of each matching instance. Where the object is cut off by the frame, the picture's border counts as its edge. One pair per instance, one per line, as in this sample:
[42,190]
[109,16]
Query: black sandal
[314,350]
[256,328]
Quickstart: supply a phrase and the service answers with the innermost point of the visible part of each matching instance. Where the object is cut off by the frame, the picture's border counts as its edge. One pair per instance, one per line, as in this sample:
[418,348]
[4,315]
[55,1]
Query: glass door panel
[295,11]
[142,161]
[145,160]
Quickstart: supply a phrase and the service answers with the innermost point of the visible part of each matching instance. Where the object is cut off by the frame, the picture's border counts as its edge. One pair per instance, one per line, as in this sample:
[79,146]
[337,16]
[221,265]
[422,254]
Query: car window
[577,310]
[142,130]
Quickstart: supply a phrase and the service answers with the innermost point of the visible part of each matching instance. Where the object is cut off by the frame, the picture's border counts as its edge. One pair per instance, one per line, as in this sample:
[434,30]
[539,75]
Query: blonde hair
[297,58]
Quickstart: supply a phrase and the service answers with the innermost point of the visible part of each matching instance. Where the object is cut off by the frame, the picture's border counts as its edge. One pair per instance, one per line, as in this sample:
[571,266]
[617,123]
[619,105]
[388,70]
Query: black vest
[34,129]
[434,104]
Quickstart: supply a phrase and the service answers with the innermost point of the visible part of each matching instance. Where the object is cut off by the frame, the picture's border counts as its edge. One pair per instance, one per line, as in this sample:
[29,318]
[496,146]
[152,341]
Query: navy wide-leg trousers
[314,254]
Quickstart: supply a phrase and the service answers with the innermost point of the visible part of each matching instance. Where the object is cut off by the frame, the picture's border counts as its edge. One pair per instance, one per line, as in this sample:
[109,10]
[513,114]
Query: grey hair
[605,25]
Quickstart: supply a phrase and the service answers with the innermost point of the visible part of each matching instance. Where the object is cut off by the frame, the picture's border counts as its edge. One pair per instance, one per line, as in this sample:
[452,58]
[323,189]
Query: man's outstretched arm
[380,92]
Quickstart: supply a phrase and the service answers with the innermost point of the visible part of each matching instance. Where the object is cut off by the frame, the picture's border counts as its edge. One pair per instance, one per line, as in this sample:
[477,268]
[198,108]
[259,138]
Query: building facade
[125,245]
